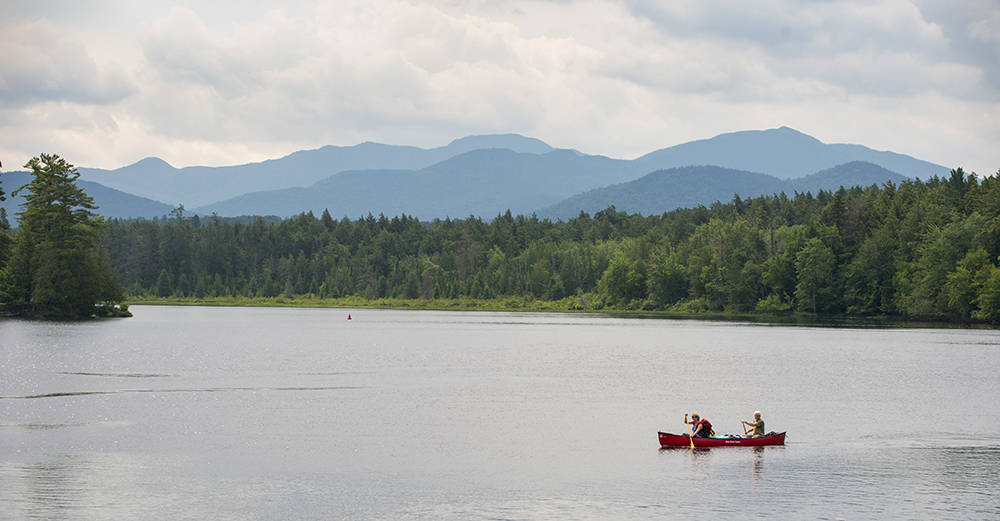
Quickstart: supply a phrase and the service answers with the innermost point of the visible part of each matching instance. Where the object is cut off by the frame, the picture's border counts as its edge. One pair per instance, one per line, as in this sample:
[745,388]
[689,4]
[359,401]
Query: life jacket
[706,429]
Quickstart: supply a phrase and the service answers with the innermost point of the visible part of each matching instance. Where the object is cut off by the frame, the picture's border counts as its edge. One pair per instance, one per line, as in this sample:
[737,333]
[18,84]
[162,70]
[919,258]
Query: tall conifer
[58,268]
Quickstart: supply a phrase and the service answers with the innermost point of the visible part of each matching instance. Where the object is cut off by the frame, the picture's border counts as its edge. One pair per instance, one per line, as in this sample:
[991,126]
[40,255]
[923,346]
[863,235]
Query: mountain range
[198,186]
[487,175]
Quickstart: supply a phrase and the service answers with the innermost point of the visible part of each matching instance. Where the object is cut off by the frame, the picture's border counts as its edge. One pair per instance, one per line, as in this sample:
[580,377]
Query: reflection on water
[758,460]
[216,413]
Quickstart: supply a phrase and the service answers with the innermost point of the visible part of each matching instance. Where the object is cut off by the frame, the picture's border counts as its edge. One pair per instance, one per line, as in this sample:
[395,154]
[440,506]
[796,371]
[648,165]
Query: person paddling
[757,424]
[701,428]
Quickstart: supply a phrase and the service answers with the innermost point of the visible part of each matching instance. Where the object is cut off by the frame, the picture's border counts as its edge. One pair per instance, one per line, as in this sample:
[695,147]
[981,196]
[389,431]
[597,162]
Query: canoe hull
[673,440]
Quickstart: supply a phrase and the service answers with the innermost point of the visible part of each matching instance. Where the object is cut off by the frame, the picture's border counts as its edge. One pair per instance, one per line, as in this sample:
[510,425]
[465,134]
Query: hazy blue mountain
[687,187]
[461,179]
[783,152]
[112,203]
[200,185]
[482,182]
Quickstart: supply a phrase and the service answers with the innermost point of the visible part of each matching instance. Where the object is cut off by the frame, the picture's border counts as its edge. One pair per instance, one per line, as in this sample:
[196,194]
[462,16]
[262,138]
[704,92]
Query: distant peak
[515,142]
[787,133]
[783,130]
[149,164]
[152,162]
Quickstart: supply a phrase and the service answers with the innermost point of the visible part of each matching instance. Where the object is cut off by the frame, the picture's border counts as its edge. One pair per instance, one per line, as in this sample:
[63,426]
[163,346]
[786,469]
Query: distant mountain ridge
[481,182]
[475,175]
[196,186]
[783,152]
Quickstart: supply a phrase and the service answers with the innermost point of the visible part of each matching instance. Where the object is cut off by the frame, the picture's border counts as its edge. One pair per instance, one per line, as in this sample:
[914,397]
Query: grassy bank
[311,301]
[567,305]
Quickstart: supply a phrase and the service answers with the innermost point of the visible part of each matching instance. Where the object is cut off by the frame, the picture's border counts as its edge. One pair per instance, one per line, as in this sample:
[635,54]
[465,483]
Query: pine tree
[5,232]
[58,268]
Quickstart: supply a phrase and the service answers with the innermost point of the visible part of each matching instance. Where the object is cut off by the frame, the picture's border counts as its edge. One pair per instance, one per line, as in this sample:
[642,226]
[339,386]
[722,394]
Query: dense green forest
[920,249]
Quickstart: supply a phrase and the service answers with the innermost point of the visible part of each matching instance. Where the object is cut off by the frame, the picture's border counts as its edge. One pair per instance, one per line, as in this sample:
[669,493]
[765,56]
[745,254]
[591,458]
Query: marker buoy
[348,316]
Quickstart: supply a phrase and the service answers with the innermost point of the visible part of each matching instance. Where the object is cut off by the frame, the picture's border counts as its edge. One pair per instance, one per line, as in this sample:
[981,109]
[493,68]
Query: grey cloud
[972,28]
[435,43]
[793,27]
[38,63]
[182,49]
[300,79]
[875,48]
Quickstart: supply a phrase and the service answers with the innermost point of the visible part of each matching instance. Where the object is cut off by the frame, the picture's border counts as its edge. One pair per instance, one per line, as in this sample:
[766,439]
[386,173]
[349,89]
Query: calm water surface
[237,413]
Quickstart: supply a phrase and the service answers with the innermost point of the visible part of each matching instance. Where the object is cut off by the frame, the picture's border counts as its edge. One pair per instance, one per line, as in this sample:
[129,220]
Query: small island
[54,265]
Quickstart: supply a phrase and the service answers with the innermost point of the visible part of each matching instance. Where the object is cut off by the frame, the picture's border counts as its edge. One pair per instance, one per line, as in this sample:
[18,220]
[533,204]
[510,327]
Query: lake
[215,413]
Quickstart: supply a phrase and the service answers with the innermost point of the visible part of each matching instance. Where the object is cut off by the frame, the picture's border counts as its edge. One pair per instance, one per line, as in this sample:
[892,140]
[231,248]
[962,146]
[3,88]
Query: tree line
[920,249]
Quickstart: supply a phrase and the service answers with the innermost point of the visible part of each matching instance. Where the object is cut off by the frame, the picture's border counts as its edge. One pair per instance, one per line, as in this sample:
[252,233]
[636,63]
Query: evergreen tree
[5,232]
[58,268]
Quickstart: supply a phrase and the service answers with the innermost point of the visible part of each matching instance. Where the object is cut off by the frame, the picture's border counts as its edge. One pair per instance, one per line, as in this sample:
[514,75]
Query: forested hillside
[690,186]
[921,249]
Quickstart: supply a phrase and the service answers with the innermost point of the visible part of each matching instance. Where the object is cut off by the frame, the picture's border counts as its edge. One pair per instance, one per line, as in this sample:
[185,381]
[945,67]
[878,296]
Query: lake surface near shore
[279,413]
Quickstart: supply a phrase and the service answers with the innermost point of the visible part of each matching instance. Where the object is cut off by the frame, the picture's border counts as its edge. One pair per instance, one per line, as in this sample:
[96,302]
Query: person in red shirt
[700,428]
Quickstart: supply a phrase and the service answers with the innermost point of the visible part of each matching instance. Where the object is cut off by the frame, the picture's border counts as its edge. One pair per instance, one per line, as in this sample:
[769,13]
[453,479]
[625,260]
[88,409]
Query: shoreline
[521,305]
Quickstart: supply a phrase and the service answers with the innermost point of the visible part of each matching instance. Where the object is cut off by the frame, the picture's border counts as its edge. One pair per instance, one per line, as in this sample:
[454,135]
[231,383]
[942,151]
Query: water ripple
[120,375]
[206,390]
[50,426]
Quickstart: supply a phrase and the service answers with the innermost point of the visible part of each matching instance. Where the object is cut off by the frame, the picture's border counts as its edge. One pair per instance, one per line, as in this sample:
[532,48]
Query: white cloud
[408,68]
[986,29]
[39,63]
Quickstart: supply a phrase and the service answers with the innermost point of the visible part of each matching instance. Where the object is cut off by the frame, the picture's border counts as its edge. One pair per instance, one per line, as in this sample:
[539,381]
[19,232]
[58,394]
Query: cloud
[39,63]
[383,65]
[797,27]
[183,50]
[882,48]
[986,29]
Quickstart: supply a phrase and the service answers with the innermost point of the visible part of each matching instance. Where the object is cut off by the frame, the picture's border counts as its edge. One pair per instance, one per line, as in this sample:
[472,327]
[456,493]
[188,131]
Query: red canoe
[673,440]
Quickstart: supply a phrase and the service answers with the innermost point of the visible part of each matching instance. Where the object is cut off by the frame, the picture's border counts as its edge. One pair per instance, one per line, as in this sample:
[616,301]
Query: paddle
[690,435]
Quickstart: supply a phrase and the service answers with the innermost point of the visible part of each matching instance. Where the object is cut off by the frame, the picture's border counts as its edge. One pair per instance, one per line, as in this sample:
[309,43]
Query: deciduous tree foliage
[922,249]
[57,267]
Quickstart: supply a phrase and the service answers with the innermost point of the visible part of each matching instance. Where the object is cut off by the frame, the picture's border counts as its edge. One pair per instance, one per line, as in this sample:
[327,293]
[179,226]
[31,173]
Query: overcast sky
[106,83]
